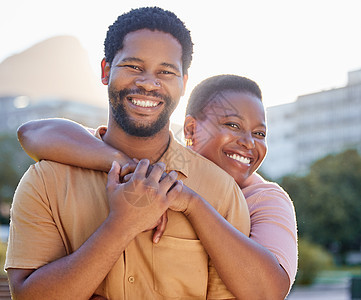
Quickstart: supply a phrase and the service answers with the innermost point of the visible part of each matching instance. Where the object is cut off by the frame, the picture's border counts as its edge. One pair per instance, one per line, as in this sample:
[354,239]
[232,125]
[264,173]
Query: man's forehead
[146,44]
[149,34]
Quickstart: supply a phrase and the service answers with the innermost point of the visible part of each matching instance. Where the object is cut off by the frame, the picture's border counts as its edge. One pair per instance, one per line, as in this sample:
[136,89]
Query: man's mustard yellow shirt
[57,207]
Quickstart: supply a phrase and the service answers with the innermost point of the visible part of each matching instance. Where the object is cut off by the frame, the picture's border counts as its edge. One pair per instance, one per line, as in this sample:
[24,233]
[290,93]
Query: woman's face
[232,133]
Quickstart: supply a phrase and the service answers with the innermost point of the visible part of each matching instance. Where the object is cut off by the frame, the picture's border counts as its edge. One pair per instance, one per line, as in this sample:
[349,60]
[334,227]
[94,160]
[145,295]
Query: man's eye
[132,67]
[167,73]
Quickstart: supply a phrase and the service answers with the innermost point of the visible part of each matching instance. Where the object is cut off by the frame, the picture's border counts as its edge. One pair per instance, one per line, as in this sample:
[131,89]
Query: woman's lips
[242,159]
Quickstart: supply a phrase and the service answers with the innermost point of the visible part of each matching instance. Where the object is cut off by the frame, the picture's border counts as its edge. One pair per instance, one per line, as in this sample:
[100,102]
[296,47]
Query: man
[71,237]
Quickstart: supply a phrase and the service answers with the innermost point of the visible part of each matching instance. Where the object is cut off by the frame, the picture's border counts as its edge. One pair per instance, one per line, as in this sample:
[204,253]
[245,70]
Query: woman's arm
[248,269]
[67,142]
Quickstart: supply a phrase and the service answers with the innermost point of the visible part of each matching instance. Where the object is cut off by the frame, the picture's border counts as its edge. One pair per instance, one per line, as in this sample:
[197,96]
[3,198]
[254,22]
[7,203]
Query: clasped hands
[139,194]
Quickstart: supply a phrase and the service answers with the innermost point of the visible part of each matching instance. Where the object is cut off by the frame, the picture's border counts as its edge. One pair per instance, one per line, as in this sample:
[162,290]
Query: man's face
[145,82]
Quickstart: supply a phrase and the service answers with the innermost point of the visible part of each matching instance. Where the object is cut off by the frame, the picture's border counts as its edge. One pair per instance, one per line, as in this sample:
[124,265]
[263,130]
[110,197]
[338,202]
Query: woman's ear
[105,71]
[189,127]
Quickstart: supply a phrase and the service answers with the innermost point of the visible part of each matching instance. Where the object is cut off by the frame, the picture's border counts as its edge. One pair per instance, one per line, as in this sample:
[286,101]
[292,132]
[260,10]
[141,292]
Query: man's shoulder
[199,165]
[204,175]
[48,165]
[51,169]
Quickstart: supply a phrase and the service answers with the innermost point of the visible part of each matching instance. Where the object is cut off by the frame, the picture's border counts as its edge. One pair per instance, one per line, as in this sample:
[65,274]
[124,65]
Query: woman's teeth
[242,159]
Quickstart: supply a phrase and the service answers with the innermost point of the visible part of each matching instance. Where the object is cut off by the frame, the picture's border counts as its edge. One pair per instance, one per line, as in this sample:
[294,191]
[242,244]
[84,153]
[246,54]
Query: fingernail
[156,240]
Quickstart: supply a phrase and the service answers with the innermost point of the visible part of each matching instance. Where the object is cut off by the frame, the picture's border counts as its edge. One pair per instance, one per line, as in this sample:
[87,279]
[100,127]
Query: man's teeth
[144,103]
[241,159]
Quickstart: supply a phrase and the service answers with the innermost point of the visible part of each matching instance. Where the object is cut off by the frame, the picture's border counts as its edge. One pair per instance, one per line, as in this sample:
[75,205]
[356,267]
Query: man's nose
[148,82]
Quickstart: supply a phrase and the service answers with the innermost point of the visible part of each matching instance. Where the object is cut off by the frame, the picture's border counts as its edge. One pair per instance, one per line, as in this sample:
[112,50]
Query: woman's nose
[246,139]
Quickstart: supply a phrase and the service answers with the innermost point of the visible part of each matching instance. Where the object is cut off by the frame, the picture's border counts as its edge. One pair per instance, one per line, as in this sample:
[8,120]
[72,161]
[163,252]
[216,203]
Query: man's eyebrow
[164,64]
[171,66]
[132,59]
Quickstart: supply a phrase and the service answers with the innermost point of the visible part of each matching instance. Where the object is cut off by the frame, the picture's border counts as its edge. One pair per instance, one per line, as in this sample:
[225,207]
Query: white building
[312,127]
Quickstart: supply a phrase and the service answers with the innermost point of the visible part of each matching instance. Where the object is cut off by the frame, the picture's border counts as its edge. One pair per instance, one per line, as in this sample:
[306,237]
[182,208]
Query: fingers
[175,190]
[142,167]
[138,167]
[128,168]
[127,177]
[153,174]
[168,181]
[113,175]
[157,171]
[160,228]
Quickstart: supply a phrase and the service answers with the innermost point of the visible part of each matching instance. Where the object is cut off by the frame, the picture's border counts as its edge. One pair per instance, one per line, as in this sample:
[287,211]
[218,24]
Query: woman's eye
[261,134]
[232,125]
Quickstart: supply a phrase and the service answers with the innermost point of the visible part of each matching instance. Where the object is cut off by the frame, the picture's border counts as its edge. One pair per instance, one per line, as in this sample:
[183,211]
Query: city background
[307,65]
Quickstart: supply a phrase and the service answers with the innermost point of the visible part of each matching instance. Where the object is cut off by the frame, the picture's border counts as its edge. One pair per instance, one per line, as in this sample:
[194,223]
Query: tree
[327,201]
[13,162]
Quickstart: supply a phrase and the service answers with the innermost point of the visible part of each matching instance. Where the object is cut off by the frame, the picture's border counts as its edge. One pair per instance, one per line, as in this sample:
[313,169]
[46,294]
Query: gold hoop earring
[189,142]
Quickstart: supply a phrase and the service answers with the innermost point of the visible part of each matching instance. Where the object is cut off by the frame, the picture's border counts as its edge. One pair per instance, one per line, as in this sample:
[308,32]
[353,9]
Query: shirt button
[131,279]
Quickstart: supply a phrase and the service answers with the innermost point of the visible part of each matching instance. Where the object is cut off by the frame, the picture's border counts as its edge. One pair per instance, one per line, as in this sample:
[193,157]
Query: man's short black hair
[208,89]
[153,18]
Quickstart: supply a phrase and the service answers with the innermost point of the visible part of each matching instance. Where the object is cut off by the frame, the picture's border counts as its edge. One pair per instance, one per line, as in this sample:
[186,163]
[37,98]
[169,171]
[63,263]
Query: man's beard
[131,127]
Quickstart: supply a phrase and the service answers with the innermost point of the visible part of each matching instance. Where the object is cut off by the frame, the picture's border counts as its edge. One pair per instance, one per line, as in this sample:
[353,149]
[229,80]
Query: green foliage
[13,162]
[312,260]
[327,202]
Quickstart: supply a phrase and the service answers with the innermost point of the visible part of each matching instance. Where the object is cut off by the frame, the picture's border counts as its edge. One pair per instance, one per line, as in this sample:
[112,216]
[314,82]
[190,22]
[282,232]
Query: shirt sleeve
[236,213]
[273,225]
[34,239]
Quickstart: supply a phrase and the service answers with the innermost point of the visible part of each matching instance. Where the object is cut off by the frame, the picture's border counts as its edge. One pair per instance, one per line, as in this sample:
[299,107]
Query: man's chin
[141,129]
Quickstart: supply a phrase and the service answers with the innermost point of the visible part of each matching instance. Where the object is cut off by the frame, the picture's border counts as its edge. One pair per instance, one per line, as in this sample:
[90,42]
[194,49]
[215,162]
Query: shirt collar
[176,157]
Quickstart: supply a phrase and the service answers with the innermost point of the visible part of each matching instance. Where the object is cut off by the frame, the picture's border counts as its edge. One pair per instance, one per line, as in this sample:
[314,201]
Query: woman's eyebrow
[234,115]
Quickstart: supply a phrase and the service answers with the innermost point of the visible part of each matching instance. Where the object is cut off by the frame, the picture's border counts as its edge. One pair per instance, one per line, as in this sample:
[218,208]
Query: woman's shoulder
[258,190]
[256,183]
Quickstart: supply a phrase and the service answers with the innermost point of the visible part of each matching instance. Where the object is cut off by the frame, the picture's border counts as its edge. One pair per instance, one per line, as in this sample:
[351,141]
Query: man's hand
[125,175]
[142,200]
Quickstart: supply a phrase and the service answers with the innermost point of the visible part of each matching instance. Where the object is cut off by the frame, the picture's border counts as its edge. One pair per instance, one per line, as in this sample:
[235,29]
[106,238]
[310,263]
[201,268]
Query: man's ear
[105,71]
[189,127]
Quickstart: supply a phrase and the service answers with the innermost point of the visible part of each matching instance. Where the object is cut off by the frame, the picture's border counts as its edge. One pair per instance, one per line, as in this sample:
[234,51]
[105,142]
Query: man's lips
[144,102]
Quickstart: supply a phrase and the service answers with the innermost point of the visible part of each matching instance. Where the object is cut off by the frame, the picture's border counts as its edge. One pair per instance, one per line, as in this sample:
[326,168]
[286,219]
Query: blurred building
[313,126]
[15,111]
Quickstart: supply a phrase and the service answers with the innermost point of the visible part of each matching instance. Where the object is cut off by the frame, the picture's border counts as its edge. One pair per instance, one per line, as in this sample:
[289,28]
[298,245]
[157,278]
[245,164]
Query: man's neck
[151,148]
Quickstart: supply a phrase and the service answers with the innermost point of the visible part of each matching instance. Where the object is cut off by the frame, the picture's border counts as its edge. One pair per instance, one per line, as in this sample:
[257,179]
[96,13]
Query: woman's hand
[184,201]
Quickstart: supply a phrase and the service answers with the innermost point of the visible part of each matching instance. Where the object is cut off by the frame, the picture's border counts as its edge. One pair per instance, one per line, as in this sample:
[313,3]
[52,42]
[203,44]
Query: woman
[226,123]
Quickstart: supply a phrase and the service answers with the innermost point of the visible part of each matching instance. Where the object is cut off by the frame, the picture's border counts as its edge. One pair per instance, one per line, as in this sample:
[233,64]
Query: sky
[290,48]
